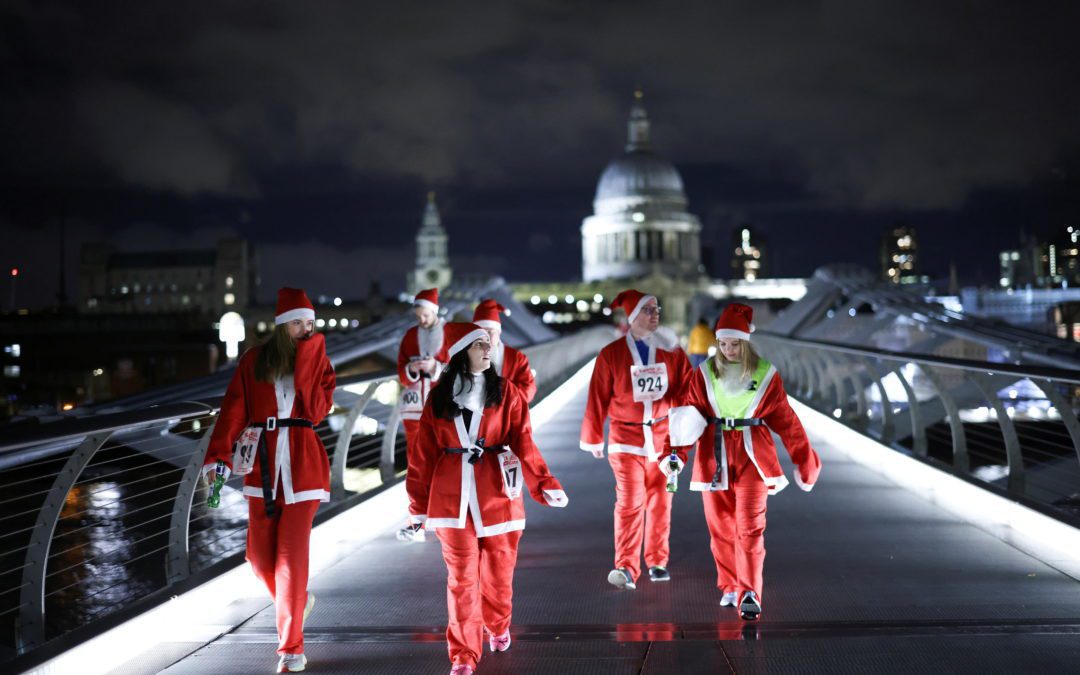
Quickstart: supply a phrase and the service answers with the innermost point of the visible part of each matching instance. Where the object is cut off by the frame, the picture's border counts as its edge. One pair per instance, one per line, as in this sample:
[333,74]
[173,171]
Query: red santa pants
[412,433]
[642,511]
[479,588]
[736,519]
[277,549]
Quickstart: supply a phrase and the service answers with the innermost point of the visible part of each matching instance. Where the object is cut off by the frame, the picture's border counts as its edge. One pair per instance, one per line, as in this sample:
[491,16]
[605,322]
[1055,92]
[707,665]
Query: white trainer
[412,533]
[730,599]
[620,578]
[291,663]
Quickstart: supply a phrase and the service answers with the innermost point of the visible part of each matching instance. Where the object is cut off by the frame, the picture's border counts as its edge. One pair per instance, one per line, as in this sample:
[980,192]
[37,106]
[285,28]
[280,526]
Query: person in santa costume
[634,381]
[511,364]
[730,408]
[281,390]
[421,359]
[473,454]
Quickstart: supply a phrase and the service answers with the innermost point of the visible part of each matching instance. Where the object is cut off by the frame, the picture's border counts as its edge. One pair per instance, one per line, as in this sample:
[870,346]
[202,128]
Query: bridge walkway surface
[861,576]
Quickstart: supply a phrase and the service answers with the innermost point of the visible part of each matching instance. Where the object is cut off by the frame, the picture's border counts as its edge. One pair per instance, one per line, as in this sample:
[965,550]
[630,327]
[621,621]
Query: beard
[732,380]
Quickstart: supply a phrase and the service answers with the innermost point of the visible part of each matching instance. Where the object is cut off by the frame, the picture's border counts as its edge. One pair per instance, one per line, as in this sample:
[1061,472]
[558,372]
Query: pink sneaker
[461,669]
[500,643]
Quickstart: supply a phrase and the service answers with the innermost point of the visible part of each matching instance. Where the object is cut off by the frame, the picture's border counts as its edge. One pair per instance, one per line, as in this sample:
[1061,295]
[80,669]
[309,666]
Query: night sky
[314,129]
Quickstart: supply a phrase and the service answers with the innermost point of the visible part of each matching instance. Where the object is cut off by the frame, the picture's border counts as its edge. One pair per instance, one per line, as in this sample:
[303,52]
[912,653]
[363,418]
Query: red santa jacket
[445,488]
[699,403]
[611,393]
[298,457]
[515,368]
[417,388]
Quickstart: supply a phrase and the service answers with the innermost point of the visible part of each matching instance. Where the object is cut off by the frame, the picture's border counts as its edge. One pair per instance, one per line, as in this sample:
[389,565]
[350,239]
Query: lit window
[185,300]
[15,350]
[230,299]
[12,371]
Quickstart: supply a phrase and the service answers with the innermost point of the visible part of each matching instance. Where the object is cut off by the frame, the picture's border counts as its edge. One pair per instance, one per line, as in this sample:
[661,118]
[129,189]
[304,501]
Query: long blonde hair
[747,363]
[277,355]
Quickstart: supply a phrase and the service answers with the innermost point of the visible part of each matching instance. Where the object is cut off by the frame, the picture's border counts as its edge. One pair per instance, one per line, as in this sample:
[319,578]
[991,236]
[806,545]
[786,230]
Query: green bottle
[673,477]
[214,501]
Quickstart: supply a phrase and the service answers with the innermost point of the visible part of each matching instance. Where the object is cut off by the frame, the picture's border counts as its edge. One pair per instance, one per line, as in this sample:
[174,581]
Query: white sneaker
[730,599]
[620,578]
[499,643]
[291,663]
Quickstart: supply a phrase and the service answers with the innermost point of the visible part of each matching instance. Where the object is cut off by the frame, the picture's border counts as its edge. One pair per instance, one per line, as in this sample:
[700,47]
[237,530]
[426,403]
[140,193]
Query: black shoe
[749,608]
[659,574]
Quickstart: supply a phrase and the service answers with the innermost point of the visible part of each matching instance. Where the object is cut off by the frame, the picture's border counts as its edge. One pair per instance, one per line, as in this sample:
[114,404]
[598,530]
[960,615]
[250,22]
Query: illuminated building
[748,259]
[210,282]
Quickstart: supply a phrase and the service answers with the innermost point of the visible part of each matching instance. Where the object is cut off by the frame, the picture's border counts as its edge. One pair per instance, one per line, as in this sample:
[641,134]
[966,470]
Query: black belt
[271,424]
[477,451]
[651,422]
[728,424]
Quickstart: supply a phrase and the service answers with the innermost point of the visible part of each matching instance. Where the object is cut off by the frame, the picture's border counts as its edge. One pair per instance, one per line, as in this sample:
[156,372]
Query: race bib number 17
[511,474]
[649,383]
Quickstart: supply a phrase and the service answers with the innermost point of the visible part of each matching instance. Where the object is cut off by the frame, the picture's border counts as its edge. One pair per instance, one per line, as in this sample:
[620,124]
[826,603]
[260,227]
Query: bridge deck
[861,576]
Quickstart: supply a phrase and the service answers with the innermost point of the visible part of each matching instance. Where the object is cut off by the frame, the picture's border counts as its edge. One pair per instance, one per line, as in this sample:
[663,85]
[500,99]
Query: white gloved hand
[556,498]
[208,473]
[665,465]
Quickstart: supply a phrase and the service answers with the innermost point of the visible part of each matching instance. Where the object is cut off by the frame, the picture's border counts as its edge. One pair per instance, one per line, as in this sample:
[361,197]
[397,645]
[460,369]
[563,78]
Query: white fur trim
[637,308]
[663,338]
[463,343]
[488,324]
[628,449]
[732,333]
[805,487]
[417,520]
[420,302]
[556,498]
[591,447]
[299,313]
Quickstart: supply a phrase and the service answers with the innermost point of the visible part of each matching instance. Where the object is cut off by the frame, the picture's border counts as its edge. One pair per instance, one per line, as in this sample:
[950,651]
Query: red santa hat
[487,314]
[461,335]
[735,322]
[429,297]
[631,300]
[293,303]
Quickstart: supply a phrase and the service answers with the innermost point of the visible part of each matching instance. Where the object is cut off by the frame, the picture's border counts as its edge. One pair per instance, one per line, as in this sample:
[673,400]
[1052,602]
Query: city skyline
[316,135]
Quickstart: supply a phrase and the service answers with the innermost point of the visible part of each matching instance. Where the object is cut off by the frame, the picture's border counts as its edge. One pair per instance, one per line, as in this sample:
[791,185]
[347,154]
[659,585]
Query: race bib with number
[246,448]
[412,401]
[510,467]
[649,383]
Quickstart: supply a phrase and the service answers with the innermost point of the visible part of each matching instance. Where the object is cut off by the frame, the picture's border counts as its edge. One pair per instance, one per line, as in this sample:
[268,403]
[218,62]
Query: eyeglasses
[651,311]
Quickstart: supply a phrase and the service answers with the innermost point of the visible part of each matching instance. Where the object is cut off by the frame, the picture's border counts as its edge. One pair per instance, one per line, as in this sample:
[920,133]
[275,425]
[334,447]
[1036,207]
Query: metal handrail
[953,386]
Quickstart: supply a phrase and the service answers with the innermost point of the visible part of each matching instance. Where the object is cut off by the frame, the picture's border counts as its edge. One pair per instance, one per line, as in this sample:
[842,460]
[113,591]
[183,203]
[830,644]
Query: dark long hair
[442,396]
[277,355]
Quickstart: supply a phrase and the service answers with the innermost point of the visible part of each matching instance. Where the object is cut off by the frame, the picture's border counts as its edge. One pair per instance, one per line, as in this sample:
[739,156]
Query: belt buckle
[271,423]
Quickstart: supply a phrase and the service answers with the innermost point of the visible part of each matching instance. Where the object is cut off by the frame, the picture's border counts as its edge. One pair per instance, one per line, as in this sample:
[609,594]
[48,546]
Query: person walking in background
[635,380]
[283,388]
[421,360]
[729,409]
[509,363]
[701,338]
[474,453]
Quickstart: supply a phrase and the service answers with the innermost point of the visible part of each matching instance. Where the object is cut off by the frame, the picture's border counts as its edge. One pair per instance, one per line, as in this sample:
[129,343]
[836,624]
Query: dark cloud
[869,109]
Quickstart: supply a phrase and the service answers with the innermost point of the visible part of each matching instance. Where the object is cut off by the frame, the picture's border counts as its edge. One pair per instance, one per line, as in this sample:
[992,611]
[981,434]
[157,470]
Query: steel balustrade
[956,388]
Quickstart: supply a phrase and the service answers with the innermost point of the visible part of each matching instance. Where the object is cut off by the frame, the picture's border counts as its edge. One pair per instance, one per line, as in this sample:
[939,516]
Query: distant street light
[14,277]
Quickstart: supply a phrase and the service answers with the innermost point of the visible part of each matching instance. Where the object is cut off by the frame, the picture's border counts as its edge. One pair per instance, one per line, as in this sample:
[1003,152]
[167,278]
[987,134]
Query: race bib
[244,451]
[510,467]
[649,383]
[412,401]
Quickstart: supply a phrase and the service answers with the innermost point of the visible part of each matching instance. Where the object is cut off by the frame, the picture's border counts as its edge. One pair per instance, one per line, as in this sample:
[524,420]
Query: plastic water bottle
[214,501]
[673,477]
